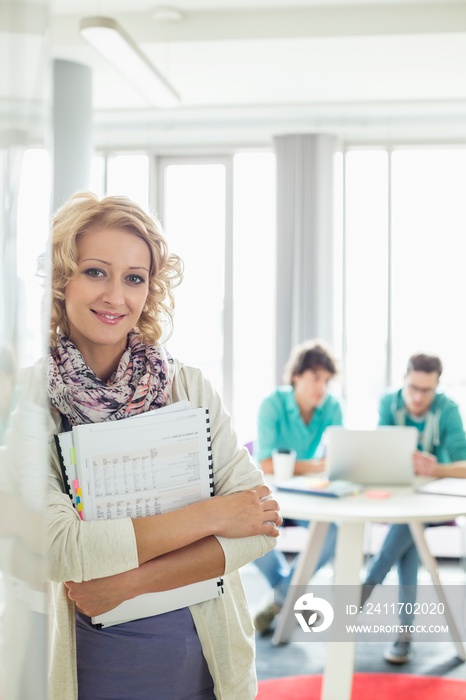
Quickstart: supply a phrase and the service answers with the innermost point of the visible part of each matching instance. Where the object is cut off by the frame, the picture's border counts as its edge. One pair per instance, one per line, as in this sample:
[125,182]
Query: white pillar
[305,241]
[72,129]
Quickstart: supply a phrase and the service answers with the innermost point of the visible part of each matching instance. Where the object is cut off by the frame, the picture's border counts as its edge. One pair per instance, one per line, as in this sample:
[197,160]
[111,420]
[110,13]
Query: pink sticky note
[377,493]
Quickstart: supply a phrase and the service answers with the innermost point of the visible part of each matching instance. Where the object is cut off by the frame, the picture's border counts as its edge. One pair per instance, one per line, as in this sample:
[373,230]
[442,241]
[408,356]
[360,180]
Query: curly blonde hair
[84,213]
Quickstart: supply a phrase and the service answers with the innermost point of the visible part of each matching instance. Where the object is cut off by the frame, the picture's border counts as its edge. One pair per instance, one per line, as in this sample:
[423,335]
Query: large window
[429,252]
[404,220]
[219,215]
[366,289]
[405,251]
[254,274]
[193,205]
[122,174]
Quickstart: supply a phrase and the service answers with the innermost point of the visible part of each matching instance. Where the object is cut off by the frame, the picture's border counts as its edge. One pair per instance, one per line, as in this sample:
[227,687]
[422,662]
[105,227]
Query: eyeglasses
[425,391]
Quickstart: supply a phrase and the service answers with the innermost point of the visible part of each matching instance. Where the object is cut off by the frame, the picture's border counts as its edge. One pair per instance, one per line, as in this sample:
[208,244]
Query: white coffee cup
[283,464]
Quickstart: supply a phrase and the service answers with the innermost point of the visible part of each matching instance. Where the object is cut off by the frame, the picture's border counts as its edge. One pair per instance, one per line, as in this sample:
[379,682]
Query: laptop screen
[379,456]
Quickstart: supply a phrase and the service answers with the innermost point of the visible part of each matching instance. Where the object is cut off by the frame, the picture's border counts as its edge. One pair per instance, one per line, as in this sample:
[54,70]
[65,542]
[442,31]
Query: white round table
[351,513]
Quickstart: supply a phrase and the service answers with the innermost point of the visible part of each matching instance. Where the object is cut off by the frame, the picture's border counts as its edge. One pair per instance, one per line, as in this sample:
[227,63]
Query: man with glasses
[441,453]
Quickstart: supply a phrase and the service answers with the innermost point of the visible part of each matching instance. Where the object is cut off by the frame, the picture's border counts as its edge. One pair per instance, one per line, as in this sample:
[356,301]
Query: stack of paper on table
[447,486]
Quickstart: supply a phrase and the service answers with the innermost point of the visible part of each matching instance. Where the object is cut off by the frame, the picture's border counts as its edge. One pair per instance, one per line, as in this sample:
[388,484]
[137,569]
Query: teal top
[280,426]
[441,430]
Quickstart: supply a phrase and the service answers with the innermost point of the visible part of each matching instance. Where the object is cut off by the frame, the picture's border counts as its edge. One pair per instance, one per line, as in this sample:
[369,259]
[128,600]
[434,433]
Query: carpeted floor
[366,686]
[430,660]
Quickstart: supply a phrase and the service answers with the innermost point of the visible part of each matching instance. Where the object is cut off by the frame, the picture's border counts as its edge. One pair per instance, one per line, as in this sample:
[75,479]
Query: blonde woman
[112,282]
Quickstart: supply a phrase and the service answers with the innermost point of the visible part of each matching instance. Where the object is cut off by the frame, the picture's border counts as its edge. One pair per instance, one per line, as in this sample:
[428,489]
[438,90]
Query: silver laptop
[371,457]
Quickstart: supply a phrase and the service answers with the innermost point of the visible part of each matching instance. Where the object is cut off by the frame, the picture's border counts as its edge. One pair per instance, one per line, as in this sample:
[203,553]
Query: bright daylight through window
[404,222]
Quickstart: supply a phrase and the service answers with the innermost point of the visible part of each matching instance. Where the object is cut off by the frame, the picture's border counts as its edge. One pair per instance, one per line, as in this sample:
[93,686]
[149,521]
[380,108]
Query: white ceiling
[245,69]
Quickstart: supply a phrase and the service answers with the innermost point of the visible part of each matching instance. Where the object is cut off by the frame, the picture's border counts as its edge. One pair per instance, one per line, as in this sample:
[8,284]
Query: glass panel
[366,308]
[24,205]
[429,249]
[23,446]
[194,221]
[34,199]
[254,287]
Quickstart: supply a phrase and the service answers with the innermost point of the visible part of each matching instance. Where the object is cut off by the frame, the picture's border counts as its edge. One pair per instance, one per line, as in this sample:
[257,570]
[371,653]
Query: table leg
[339,666]
[417,531]
[307,563]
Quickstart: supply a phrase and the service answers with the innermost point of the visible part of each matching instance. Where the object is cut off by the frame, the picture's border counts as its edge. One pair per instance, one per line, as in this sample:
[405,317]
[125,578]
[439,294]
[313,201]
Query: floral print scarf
[140,383]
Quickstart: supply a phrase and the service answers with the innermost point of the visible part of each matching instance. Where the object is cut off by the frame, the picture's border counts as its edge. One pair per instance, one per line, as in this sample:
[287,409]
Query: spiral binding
[209,454]
[211,479]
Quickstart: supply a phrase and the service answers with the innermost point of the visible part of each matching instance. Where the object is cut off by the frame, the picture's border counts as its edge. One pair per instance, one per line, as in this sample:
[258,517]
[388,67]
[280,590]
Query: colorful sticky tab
[78,498]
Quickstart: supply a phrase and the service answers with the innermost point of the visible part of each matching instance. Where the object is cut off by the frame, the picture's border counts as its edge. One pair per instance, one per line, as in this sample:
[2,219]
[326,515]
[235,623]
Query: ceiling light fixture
[107,37]
[167,14]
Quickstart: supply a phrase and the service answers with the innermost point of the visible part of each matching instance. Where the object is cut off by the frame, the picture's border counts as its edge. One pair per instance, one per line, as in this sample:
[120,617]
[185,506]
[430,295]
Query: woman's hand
[103,594]
[240,514]
[198,561]
[245,513]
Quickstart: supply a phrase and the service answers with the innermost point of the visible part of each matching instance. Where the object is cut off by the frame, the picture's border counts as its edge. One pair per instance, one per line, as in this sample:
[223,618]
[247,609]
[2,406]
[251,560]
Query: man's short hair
[425,363]
[313,355]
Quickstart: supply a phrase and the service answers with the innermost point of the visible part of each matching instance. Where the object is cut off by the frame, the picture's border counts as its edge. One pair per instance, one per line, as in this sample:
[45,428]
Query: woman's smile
[105,317]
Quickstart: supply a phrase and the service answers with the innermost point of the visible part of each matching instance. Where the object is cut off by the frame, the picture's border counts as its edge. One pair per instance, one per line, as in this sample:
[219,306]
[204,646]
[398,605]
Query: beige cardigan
[82,551]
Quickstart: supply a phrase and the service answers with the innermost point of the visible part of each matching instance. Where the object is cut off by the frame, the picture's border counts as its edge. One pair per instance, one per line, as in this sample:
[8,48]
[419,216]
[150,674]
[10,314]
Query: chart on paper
[146,482]
[143,467]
